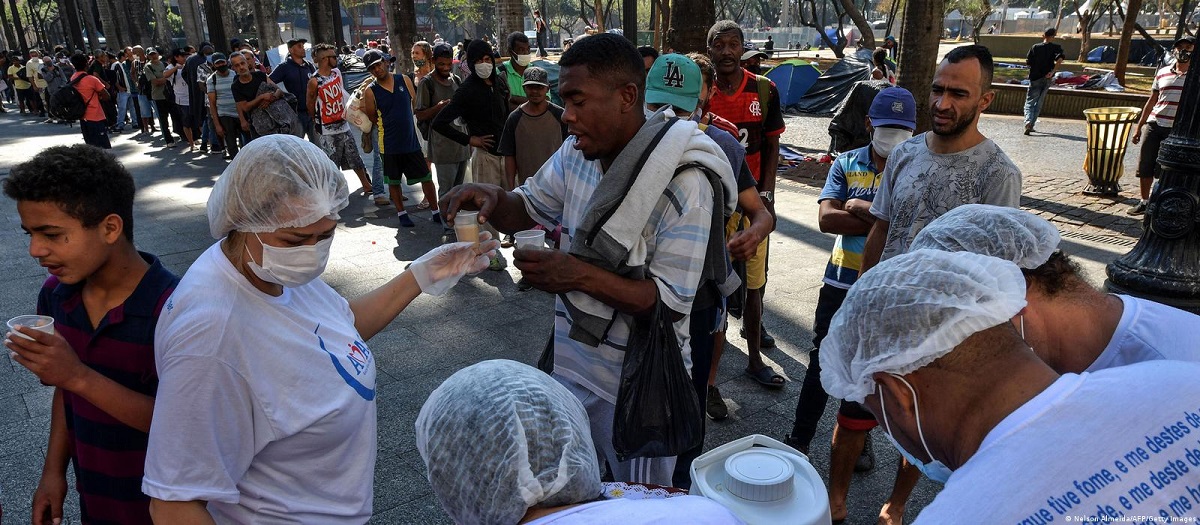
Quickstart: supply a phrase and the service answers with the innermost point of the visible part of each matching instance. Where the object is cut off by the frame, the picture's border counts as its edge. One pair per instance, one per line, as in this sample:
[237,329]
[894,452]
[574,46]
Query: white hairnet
[276,181]
[912,309]
[499,437]
[1007,233]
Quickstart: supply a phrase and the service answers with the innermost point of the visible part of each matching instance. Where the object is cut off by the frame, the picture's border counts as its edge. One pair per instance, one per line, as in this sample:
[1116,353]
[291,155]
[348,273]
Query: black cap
[1186,38]
[235,43]
[373,57]
[295,41]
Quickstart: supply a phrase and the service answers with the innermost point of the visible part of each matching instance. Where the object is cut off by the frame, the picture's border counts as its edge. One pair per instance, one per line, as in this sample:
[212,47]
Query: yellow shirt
[17,82]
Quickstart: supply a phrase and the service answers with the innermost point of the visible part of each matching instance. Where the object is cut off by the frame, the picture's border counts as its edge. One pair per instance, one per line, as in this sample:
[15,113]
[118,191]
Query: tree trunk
[16,17]
[320,24]
[1127,29]
[137,23]
[860,21]
[402,26]
[215,15]
[690,22]
[629,20]
[919,51]
[162,28]
[265,25]
[189,12]
[10,34]
[891,19]
[70,15]
[89,22]
[108,23]
[510,17]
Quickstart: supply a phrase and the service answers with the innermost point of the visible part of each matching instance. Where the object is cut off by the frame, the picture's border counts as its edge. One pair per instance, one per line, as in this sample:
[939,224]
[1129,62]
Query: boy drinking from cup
[76,205]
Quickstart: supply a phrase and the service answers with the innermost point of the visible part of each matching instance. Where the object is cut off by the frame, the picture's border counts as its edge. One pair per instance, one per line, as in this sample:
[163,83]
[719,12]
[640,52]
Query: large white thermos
[763,482]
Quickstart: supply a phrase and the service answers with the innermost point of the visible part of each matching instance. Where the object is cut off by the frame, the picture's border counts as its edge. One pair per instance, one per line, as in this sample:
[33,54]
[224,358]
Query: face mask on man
[483,69]
[884,140]
[934,470]
[291,267]
[420,62]
[224,68]
[523,60]
[1183,56]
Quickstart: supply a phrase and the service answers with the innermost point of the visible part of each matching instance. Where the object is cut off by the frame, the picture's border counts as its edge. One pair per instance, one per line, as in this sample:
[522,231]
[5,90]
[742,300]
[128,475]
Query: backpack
[764,94]
[67,103]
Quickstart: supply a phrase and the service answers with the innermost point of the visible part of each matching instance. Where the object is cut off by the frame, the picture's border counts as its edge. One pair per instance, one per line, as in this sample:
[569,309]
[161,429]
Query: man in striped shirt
[1159,113]
[76,205]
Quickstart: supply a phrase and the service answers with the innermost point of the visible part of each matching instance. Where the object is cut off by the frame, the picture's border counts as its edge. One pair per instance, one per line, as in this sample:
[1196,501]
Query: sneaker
[381,199]
[866,459]
[1028,128]
[795,443]
[498,263]
[406,221]
[1138,209]
[507,241]
[204,150]
[436,218]
[714,405]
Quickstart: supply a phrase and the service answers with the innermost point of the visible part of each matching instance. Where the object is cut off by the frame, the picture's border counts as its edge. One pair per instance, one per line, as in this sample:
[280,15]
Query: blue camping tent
[793,78]
[1105,54]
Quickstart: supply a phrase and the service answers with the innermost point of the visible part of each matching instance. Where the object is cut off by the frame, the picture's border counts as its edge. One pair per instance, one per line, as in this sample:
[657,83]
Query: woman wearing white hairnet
[266,400]
[505,443]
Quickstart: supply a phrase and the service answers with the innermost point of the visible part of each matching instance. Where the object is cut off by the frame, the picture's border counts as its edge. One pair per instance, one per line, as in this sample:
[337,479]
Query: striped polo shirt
[109,457]
[1169,85]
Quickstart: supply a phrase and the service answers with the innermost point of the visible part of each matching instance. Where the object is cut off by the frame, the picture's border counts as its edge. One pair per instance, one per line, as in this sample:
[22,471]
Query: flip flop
[766,377]
[424,205]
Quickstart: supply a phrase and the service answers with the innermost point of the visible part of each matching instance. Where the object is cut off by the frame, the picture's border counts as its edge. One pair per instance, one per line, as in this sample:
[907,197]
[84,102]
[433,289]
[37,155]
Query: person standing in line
[930,174]
[181,109]
[33,71]
[434,92]
[513,71]
[1159,115]
[422,57]
[54,76]
[760,123]
[155,72]
[293,74]
[533,132]
[543,32]
[221,106]
[391,104]
[1043,60]
[845,204]
[327,99]
[147,110]
[126,91]
[94,125]
[22,86]
[245,90]
[482,103]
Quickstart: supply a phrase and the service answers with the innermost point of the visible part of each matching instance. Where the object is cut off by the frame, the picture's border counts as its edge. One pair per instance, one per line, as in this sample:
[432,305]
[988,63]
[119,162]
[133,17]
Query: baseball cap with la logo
[675,80]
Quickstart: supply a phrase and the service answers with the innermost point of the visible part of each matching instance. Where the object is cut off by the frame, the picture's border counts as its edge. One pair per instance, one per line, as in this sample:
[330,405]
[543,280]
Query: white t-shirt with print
[1148,331]
[919,186]
[1117,441]
[693,510]
[266,405]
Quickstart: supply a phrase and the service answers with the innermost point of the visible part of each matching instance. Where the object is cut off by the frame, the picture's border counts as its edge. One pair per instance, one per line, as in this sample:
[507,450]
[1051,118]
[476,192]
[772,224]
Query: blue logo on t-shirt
[360,358]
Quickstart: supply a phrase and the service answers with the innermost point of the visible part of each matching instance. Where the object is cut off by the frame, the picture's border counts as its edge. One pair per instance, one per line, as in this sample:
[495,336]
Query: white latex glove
[440,269]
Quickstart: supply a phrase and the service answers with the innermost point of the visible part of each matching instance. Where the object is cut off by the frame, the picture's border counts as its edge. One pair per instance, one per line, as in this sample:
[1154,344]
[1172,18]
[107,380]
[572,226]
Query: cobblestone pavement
[436,336]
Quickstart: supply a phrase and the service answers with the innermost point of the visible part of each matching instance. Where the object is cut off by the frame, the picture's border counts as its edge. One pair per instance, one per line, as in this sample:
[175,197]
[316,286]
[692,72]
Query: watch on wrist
[768,195]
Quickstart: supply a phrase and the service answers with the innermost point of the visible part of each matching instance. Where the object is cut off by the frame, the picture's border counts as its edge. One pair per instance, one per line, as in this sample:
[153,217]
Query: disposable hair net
[1007,233]
[912,309]
[276,181]
[499,437]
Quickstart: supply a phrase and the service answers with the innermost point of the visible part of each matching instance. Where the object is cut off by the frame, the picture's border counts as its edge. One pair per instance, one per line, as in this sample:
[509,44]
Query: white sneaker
[381,199]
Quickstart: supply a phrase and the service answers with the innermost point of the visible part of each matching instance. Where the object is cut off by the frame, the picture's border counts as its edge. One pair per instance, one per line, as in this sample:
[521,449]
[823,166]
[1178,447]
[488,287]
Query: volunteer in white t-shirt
[967,402]
[266,401]
[1072,326]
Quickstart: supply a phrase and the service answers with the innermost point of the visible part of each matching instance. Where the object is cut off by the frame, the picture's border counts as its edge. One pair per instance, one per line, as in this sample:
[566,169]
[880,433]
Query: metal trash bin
[1107,137]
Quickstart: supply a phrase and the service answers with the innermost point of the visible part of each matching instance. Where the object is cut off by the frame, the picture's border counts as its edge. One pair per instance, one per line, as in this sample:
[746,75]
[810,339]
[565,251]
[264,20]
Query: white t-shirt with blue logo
[266,405]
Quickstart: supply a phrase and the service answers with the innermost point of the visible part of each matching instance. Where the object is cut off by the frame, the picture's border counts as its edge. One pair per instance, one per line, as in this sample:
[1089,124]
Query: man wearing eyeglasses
[326,102]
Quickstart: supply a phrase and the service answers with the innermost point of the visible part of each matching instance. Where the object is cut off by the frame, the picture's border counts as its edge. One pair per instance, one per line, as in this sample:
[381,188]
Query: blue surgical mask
[934,470]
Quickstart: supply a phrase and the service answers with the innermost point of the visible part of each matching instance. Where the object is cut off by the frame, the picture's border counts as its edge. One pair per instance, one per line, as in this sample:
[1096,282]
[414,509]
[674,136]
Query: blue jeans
[377,186]
[123,109]
[1034,98]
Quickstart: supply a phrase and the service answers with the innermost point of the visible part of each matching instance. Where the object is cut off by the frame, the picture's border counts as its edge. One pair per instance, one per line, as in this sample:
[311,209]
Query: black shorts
[405,168]
[186,118]
[1151,143]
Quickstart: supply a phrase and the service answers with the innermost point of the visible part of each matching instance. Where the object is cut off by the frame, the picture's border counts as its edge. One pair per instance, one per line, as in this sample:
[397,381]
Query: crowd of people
[946,314]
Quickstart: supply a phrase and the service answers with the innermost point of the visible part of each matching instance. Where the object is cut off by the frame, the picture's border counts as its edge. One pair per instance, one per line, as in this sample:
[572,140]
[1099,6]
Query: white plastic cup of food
[41,323]
[530,239]
[466,226]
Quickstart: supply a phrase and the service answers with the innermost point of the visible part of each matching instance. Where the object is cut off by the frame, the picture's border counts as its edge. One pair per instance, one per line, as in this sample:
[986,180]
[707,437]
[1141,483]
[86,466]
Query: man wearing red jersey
[759,124]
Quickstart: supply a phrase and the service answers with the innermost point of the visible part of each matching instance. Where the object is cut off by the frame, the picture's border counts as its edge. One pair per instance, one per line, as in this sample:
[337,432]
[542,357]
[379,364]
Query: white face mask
[523,60]
[483,69]
[884,140]
[934,470]
[291,267]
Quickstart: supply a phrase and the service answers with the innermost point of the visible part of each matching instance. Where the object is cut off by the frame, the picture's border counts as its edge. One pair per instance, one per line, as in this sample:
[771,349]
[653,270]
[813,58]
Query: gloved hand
[440,269]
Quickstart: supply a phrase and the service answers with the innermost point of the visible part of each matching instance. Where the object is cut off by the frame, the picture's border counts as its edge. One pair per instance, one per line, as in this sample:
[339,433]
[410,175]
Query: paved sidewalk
[482,318]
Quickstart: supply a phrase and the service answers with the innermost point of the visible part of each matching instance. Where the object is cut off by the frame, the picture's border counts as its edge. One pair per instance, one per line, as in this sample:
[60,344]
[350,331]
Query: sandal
[766,376]
[424,205]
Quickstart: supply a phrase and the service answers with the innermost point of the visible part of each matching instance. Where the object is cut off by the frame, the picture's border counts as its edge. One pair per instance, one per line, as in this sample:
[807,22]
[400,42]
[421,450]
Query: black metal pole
[1164,266]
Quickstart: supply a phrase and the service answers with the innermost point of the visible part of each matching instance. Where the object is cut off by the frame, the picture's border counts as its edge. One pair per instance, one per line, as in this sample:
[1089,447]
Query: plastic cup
[466,226]
[41,323]
[531,240]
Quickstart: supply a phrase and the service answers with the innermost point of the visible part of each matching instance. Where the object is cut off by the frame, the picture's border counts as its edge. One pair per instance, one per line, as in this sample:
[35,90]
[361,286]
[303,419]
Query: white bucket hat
[762,481]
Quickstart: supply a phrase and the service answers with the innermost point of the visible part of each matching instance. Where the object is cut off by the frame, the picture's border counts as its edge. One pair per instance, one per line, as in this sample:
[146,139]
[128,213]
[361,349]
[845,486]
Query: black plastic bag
[657,412]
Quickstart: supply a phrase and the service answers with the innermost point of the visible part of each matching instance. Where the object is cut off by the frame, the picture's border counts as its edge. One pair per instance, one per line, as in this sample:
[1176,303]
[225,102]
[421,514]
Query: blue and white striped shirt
[676,238]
